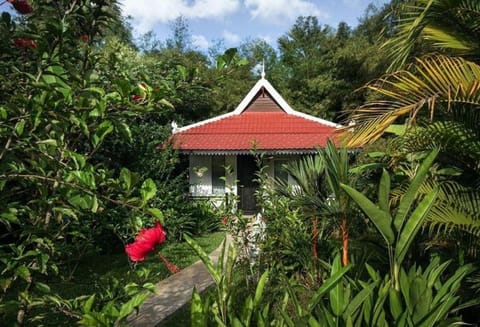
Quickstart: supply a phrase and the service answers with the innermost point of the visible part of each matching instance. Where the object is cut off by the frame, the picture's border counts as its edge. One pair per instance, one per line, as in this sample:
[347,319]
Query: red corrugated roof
[268,130]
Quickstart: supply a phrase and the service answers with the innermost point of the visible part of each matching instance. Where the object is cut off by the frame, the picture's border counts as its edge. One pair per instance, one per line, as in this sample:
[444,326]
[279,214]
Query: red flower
[145,242]
[84,38]
[155,235]
[137,251]
[22,6]
[25,43]
[137,98]
[225,220]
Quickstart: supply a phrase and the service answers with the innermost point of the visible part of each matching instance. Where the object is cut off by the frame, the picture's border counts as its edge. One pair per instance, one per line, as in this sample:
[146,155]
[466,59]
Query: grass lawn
[92,272]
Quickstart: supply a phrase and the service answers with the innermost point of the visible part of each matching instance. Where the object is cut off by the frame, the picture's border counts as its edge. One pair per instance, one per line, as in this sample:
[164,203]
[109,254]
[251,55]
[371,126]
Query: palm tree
[319,191]
[433,81]
[447,28]
[442,85]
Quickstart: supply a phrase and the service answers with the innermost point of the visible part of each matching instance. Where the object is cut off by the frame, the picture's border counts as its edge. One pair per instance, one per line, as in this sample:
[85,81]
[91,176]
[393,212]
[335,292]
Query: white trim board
[262,83]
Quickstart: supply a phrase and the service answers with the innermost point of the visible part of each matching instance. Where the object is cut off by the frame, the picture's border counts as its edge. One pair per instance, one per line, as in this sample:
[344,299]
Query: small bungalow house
[263,120]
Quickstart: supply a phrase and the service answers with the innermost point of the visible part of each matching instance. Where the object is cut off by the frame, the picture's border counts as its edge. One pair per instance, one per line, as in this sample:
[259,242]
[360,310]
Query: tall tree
[324,66]
[181,39]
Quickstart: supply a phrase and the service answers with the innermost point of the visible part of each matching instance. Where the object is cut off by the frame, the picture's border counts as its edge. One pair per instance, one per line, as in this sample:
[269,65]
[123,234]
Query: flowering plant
[24,43]
[22,6]
[145,242]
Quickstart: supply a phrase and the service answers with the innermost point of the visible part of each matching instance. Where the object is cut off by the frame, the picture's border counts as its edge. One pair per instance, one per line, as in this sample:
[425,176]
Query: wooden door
[246,168]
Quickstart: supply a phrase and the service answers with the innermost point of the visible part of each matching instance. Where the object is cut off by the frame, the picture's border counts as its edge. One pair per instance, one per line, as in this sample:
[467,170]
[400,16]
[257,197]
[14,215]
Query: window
[218,174]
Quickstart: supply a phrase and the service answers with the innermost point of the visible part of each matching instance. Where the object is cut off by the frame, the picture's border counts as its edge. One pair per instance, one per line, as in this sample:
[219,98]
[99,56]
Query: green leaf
[259,289]
[412,226]
[65,211]
[148,189]
[439,313]
[396,307]
[126,179]
[182,71]
[87,307]
[359,299]
[451,285]
[85,178]
[327,285]
[49,79]
[102,131]
[80,201]
[384,192]
[125,131]
[380,218]
[19,127]
[247,312]
[131,305]
[409,197]
[3,113]
[44,288]
[366,167]
[405,289]
[166,103]
[337,294]
[48,142]
[99,91]
[23,272]
[436,272]
[157,213]
[5,283]
[204,257]
[197,314]
[312,322]
[9,217]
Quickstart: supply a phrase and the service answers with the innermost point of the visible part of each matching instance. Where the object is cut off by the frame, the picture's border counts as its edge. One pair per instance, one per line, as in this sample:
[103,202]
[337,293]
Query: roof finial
[263,69]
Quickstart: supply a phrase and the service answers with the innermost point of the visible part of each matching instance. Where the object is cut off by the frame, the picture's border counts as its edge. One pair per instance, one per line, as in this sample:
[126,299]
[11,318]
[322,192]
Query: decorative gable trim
[262,83]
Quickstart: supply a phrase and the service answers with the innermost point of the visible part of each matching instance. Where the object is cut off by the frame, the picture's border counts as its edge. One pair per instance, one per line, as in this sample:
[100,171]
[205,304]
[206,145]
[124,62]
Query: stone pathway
[173,293]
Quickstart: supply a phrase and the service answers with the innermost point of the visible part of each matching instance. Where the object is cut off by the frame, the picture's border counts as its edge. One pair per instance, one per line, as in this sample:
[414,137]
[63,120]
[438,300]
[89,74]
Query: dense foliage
[385,236]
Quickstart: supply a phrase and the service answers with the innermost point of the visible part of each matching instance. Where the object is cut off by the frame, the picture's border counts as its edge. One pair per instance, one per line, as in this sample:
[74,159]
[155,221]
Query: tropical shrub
[55,117]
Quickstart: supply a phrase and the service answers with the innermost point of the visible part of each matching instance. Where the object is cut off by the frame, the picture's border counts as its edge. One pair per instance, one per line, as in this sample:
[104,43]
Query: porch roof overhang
[248,152]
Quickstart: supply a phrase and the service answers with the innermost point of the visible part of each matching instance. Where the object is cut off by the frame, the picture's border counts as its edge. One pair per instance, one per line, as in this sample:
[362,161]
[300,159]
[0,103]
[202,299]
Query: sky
[234,21]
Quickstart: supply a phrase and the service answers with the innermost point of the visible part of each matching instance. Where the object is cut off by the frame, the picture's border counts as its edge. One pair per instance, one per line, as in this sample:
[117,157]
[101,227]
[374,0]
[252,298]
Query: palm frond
[456,209]
[434,79]
[443,37]
[451,26]
[459,145]
[309,189]
[414,17]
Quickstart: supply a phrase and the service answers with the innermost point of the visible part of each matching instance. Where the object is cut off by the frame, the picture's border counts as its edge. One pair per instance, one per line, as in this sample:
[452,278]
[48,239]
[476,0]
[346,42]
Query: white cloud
[200,41]
[278,11]
[146,13]
[230,37]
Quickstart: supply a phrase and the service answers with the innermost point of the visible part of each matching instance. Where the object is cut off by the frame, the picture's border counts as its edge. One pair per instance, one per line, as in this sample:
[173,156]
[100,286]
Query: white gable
[262,83]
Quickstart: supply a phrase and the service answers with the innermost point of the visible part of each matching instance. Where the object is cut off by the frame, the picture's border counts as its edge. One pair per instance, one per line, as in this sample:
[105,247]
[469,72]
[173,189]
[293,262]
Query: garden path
[173,293]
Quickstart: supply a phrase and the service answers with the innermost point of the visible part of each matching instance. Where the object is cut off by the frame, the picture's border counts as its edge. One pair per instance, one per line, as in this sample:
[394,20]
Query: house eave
[248,152]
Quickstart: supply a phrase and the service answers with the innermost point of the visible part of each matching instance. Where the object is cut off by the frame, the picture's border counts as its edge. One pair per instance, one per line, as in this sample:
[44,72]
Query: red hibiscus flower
[24,43]
[22,6]
[137,98]
[225,220]
[84,38]
[154,236]
[145,242]
[137,251]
